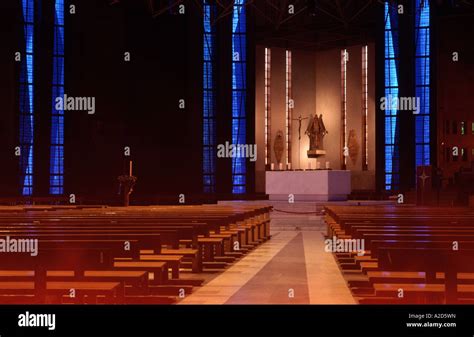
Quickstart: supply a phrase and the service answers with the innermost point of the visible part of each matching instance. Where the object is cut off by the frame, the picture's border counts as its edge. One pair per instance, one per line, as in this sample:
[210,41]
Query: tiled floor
[291,268]
[282,280]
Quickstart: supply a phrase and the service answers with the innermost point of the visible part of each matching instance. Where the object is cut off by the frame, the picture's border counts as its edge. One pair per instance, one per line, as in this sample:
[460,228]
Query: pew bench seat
[158,271]
[112,291]
[132,278]
[414,277]
[188,253]
[392,289]
[173,261]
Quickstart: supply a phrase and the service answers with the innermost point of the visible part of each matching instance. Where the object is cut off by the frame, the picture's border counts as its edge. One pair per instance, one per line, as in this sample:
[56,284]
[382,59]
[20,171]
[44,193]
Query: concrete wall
[304,87]
[328,102]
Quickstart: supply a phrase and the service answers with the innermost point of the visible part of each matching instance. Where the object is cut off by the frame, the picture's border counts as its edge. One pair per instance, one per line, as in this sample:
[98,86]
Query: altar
[310,185]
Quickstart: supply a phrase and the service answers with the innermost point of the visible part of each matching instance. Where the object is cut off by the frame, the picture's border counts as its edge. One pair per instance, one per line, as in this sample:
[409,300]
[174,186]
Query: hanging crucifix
[299,119]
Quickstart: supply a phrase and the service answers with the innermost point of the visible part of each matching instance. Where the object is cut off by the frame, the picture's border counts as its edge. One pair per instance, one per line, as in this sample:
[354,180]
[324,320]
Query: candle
[318,165]
[280,165]
[130,169]
[289,166]
[272,166]
[328,166]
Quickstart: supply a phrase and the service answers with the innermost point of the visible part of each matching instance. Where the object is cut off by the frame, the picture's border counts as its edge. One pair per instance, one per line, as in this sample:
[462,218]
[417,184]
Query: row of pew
[412,255]
[121,255]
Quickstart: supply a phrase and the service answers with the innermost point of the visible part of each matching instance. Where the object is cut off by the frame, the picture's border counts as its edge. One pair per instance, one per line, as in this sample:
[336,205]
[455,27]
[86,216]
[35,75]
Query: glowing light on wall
[268,137]
[365,106]
[344,59]
[289,105]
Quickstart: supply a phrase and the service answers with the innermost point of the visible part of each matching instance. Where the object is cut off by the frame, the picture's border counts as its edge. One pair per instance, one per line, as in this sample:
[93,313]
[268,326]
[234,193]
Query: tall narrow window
[344,59]
[209,99]
[391,56]
[239,86]
[26,90]
[56,171]
[422,81]
[365,107]
[268,104]
[289,106]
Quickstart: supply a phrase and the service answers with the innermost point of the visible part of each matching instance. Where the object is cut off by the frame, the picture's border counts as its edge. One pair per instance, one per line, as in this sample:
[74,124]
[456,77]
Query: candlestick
[280,166]
[272,166]
[289,166]
[328,166]
[318,165]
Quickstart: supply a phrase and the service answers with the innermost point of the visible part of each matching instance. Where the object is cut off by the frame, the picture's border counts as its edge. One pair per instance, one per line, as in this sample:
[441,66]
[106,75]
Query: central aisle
[291,268]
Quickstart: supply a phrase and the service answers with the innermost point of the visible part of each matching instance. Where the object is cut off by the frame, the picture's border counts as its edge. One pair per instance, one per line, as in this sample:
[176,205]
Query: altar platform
[309,185]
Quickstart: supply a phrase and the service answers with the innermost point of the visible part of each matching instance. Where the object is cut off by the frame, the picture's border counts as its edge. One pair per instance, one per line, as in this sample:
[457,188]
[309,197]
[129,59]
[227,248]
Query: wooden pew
[211,229]
[448,261]
[397,242]
[75,259]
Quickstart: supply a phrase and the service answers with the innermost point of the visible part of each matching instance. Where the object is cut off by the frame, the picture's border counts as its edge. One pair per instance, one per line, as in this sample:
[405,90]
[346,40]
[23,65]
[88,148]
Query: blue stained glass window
[26,94]
[28,11]
[238,131]
[422,81]
[239,79]
[56,163]
[209,99]
[58,70]
[59,41]
[391,153]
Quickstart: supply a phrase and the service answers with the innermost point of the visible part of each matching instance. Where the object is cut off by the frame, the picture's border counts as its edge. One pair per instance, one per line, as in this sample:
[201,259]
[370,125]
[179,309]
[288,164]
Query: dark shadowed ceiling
[314,24]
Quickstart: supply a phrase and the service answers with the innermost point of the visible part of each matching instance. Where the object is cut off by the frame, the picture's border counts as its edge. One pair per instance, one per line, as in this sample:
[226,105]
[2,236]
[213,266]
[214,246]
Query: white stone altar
[310,185]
